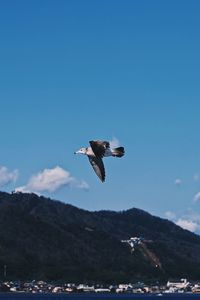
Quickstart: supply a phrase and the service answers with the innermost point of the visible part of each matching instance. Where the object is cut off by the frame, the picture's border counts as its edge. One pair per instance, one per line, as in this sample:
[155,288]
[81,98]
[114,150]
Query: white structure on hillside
[133,242]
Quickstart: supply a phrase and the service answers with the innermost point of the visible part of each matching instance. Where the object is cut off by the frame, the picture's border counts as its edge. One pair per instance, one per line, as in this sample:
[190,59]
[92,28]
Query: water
[87,296]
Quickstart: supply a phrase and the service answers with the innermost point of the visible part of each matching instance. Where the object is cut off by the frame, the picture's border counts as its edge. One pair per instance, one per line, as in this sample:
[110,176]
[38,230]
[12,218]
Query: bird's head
[81,151]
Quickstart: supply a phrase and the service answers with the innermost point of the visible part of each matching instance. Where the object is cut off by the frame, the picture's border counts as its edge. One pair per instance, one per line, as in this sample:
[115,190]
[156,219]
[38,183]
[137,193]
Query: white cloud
[170,215]
[187,224]
[7,176]
[178,181]
[114,143]
[193,215]
[24,189]
[50,180]
[197,197]
[188,219]
[82,185]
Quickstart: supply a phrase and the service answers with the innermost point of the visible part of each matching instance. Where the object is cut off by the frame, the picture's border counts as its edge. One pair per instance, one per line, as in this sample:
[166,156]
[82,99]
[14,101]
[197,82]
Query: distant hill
[46,239]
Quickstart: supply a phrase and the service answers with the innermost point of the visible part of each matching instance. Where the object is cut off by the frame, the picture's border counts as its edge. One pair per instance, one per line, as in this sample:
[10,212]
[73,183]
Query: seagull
[95,153]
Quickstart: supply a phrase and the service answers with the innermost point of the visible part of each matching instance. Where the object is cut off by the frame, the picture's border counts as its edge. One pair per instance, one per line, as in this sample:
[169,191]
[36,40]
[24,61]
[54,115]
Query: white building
[182,284]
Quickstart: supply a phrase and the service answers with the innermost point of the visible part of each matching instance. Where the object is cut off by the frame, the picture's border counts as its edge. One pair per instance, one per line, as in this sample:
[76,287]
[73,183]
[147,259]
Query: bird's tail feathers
[118,152]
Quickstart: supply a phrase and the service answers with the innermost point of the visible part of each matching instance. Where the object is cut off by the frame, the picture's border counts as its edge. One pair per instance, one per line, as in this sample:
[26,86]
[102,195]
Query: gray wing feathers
[99,147]
[98,166]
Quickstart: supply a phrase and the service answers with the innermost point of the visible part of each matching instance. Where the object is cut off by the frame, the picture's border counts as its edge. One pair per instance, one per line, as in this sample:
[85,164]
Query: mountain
[46,239]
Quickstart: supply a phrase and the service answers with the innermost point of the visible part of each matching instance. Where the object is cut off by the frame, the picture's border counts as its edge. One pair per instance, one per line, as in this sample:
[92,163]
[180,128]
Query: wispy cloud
[50,180]
[170,215]
[187,224]
[196,177]
[189,219]
[7,176]
[193,215]
[81,184]
[178,181]
[196,197]
[114,143]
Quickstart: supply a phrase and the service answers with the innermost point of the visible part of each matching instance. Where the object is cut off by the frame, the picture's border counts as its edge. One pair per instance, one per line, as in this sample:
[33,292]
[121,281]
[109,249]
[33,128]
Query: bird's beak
[78,152]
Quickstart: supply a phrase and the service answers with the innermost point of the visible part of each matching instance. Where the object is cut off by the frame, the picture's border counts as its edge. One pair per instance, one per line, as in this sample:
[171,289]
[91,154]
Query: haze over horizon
[126,72]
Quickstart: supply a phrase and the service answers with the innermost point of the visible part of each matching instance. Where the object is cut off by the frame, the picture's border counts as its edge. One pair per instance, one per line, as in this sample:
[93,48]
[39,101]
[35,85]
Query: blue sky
[123,71]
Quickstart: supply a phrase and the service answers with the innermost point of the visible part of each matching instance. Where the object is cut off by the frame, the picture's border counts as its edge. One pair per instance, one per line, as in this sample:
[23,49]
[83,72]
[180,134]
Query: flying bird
[96,152]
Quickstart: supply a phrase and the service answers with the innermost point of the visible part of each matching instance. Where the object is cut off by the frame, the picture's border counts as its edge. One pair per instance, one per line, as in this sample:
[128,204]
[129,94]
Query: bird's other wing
[99,147]
[98,167]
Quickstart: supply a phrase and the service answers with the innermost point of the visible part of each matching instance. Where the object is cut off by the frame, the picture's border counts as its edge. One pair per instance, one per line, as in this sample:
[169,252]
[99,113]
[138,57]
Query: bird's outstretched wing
[98,167]
[99,147]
